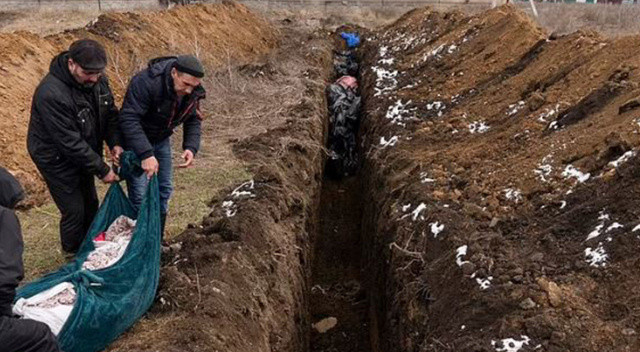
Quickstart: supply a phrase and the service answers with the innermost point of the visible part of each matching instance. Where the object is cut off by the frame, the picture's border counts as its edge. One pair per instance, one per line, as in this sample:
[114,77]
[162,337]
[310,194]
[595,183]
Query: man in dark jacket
[16,335]
[160,98]
[72,115]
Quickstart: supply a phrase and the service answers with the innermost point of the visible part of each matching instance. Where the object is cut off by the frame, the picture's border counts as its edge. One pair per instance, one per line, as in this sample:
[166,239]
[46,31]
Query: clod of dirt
[553,291]
[325,324]
[629,106]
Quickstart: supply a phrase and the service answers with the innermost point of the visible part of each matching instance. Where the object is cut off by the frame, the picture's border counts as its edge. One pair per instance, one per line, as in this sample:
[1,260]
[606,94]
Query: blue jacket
[151,110]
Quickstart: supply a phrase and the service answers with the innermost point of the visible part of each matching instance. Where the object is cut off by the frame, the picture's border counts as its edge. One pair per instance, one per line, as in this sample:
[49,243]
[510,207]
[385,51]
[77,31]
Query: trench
[338,290]
[338,298]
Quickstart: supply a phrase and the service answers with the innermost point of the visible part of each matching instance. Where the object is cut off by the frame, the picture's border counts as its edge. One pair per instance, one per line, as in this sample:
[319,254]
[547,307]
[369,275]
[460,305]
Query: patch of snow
[399,113]
[510,344]
[571,171]
[614,226]
[385,80]
[596,257]
[513,194]
[603,217]
[244,190]
[595,233]
[433,53]
[230,208]
[514,108]
[484,283]
[424,178]
[622,159]
[460,253]
[416,212]
[436,228]
[383,51]
[548,113]
[388,143]
[478,127]
[543,171]
[436,105]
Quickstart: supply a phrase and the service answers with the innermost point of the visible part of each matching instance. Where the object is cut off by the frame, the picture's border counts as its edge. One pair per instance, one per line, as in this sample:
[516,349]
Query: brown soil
[338,288]
[549,104]
[219,34]
[240,282]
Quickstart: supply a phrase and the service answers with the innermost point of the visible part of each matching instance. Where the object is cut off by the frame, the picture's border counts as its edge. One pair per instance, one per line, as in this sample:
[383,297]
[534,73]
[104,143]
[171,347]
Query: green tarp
[110,300]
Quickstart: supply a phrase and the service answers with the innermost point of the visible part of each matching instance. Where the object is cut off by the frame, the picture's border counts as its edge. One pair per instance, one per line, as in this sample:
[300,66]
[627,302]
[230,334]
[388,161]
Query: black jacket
[151,110]
[11,271]
[68,126]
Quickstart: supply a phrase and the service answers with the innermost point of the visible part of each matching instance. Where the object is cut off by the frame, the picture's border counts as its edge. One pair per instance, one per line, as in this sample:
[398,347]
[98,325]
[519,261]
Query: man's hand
[111,177]
[188,158]
[115,155]
[150,166]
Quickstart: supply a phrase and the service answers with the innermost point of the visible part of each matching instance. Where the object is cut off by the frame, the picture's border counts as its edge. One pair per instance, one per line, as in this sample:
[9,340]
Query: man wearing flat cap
[72,115]
[160,98]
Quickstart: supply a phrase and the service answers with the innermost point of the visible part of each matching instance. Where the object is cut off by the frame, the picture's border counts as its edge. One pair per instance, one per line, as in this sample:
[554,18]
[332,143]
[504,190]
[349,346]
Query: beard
[88,85]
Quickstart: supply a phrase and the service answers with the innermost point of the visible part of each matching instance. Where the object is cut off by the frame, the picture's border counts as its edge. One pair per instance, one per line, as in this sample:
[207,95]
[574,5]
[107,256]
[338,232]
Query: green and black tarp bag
[110,300]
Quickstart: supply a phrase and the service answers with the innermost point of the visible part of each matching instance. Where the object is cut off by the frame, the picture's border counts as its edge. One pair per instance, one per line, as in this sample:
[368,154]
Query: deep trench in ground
[338,293]
[339,301]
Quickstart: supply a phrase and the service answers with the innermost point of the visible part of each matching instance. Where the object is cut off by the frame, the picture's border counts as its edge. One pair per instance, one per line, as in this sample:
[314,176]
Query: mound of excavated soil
[503,185]
[218,34]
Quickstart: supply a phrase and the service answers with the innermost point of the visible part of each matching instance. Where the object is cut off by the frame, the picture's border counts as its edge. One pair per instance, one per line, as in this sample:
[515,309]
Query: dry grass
[610,20]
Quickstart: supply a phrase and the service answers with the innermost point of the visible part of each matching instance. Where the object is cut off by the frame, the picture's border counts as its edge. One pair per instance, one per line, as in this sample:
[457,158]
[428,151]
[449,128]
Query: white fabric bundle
[51,307]
[54,306]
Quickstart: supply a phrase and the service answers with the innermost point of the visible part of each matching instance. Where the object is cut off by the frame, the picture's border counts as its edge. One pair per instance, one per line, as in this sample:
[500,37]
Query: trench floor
[338,288]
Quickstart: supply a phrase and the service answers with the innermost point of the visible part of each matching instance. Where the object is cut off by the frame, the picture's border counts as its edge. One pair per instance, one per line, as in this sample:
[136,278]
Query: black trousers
[78,208]
[25,335]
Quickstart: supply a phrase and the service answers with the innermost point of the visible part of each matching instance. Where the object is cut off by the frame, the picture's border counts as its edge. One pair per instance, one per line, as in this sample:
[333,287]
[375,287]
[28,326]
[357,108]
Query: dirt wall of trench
[502,178]
[219,34]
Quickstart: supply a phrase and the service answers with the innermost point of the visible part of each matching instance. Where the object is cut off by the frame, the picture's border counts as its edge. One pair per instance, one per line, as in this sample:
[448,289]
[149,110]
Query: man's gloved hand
[110,177]
[150,166]
[188,158]
[115,155]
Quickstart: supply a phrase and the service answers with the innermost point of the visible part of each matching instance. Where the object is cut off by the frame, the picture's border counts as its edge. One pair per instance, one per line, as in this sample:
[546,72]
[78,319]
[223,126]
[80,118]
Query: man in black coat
[16,335]
[160,98]
[72,115]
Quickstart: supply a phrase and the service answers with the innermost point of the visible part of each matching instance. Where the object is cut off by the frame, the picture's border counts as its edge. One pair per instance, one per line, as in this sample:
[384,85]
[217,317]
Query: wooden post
[100,5]
[533,7]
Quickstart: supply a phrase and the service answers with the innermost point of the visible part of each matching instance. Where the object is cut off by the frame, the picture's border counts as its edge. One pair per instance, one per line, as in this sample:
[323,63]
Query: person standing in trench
[160,98]
[72,115]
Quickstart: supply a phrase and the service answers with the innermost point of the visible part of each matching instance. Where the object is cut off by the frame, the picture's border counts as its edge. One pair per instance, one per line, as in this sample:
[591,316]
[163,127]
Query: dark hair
[89,54]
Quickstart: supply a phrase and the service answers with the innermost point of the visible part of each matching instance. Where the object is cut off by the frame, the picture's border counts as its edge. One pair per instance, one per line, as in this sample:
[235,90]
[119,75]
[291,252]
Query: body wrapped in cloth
[113,279]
